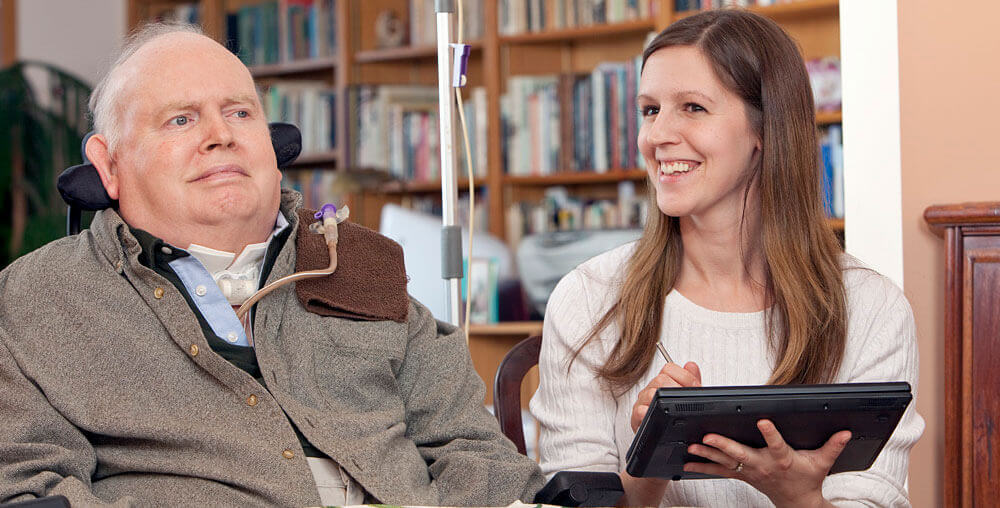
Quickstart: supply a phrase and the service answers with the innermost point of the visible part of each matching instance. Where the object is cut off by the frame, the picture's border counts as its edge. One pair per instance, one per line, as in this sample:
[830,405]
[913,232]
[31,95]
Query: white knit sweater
[584,428]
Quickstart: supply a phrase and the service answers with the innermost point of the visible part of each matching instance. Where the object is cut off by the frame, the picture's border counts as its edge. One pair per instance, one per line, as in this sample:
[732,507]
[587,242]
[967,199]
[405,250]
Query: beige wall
[949,106]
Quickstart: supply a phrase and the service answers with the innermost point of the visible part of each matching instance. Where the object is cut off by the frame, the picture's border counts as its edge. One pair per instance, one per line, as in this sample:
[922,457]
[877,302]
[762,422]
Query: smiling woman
[739,276]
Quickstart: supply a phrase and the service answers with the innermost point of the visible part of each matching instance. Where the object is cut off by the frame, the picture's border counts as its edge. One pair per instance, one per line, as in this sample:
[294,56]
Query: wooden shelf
[580,33]
[525,328]
[294,67]
[835,224]
[577,178]
[798,8]
[829,117]
[316,159]
[404,53]
[401,187]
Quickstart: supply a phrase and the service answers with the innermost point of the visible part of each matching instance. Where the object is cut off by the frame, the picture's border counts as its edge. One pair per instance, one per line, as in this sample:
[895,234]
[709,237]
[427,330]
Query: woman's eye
[693,108]
[648,110]
[179,121]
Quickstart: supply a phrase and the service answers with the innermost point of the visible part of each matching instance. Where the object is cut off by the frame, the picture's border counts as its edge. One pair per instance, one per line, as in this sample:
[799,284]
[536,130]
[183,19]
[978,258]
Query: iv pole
[451,232]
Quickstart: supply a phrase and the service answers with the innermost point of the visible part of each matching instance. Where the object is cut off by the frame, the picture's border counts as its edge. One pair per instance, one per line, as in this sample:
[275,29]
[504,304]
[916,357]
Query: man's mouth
[220,172]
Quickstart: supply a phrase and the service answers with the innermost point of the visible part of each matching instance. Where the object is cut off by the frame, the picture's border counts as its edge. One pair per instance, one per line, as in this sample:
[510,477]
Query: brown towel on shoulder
[370,280]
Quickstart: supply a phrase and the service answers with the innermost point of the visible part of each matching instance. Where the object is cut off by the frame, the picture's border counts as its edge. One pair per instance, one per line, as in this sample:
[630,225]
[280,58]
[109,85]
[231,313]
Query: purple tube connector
[328,211]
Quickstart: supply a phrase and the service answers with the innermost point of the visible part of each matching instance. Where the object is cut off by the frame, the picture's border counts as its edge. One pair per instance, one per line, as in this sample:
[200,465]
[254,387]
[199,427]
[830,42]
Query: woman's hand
[649,491]
[788,477]
[670,376]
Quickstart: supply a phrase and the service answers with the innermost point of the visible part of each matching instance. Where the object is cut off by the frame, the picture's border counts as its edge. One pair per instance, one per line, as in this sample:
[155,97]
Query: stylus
[663,351]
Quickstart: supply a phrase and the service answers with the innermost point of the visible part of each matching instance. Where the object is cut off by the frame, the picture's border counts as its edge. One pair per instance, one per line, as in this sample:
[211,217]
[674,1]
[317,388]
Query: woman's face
[695,136]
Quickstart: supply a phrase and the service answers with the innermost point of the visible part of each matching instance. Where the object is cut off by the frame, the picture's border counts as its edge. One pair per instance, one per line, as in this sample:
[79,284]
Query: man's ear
[100,157]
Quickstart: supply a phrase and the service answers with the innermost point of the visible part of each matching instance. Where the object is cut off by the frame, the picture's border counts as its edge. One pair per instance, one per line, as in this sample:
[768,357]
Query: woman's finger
[638,413]
[710,468]
[740,452]
[714,455]
[772,437]
[680,376]
[834,446]
[694,370]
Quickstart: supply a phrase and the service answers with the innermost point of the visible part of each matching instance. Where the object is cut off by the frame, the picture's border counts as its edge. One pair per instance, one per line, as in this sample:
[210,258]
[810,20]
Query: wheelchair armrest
[581,488]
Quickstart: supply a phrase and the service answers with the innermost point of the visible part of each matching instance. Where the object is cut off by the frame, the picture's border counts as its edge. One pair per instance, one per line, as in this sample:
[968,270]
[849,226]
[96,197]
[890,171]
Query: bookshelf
[496,56]
[360,63]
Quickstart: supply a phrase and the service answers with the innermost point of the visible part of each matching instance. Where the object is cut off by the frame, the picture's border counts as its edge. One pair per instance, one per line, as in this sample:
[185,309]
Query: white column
[869,51]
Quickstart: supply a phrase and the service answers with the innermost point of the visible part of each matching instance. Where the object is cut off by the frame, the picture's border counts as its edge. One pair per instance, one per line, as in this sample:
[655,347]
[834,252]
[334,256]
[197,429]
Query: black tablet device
[805,415]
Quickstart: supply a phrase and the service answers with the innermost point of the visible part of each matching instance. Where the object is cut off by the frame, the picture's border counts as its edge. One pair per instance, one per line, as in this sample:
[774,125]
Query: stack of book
[431,205]
[597,133]
[832,153]
[311,106]
[559,211]
[318,186]
[398,131]
[520,16]
[276,31]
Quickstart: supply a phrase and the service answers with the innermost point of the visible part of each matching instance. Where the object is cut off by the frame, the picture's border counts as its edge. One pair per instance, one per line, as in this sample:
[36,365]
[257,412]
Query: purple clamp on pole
[461,64]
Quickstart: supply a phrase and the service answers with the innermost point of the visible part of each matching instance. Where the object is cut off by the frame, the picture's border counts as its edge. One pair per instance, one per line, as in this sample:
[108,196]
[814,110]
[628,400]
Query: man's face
[195,153]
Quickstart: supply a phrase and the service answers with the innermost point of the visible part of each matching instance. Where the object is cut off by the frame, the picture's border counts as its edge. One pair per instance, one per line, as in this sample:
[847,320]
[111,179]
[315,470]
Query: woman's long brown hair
[807,315]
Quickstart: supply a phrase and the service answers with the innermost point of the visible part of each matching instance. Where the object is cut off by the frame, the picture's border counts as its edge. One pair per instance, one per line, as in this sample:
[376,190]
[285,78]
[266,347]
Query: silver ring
[739,467]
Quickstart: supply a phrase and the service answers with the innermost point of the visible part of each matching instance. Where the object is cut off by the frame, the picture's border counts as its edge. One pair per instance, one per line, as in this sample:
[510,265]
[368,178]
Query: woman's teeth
[675,167]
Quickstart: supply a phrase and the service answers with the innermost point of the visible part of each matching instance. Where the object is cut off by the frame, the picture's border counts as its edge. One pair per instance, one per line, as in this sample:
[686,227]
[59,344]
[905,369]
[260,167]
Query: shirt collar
[218,262]
[155,251]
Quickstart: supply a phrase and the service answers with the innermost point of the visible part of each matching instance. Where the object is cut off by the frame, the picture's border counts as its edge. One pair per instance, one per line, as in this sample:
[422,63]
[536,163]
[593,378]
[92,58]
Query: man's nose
[218,133]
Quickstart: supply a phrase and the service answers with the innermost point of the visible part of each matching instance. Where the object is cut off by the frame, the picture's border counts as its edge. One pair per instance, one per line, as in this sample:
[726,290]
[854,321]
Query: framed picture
[482,273]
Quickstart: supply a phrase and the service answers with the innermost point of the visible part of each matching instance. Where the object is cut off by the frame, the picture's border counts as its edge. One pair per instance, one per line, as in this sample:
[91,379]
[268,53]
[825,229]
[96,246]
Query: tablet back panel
[805,415]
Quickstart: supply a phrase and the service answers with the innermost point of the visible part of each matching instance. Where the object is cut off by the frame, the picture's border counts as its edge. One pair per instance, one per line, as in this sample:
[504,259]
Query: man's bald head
[106,98]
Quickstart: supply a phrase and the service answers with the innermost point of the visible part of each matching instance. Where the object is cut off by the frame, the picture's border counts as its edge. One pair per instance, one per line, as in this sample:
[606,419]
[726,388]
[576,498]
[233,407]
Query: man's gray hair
[105,107]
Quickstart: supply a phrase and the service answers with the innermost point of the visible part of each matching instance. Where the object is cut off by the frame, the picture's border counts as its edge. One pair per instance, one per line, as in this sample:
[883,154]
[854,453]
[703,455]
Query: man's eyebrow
[177,106]
[241,99]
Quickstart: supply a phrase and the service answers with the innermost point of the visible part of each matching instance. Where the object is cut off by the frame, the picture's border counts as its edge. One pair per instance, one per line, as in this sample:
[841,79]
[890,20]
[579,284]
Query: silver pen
[663,351]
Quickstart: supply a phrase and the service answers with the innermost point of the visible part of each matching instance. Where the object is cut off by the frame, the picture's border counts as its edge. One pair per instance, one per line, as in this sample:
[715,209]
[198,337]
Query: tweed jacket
[110,394]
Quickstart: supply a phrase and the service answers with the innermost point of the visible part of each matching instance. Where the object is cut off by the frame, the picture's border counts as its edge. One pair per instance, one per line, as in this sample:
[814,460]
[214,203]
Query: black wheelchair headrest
[81,187]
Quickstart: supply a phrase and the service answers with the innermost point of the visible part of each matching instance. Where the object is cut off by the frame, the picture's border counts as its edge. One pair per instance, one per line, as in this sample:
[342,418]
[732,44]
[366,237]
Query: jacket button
[252,400]
[288,454]
[158,293]
[194,349]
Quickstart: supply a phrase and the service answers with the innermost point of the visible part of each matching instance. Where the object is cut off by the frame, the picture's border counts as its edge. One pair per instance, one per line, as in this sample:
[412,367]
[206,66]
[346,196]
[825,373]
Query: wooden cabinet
[971,234]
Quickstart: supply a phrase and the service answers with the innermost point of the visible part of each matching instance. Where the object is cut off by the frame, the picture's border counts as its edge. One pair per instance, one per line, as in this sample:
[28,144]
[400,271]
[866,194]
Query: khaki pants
[336,487]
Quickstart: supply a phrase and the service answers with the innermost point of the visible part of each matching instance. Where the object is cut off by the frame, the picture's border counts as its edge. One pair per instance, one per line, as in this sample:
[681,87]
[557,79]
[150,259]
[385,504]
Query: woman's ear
[100,157]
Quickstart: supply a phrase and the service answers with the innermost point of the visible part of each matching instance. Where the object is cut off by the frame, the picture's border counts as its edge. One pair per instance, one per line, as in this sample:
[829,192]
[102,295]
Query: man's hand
[788,477]
[670,376]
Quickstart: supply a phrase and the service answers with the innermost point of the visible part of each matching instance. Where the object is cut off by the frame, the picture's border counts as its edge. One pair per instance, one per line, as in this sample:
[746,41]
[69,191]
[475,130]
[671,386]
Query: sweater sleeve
[41,453]
[882,346]
[574,412]
[470,461]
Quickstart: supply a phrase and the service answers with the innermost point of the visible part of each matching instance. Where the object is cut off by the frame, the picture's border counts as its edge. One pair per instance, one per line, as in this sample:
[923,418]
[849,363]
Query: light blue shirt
[207,296]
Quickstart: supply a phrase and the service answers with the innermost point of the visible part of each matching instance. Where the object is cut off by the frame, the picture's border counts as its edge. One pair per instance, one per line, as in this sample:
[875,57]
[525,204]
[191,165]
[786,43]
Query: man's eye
[694,108]
[242,113]
[648,110]
[179,120]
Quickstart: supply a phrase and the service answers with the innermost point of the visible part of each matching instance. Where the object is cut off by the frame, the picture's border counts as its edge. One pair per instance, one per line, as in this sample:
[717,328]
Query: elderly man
[126,378]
